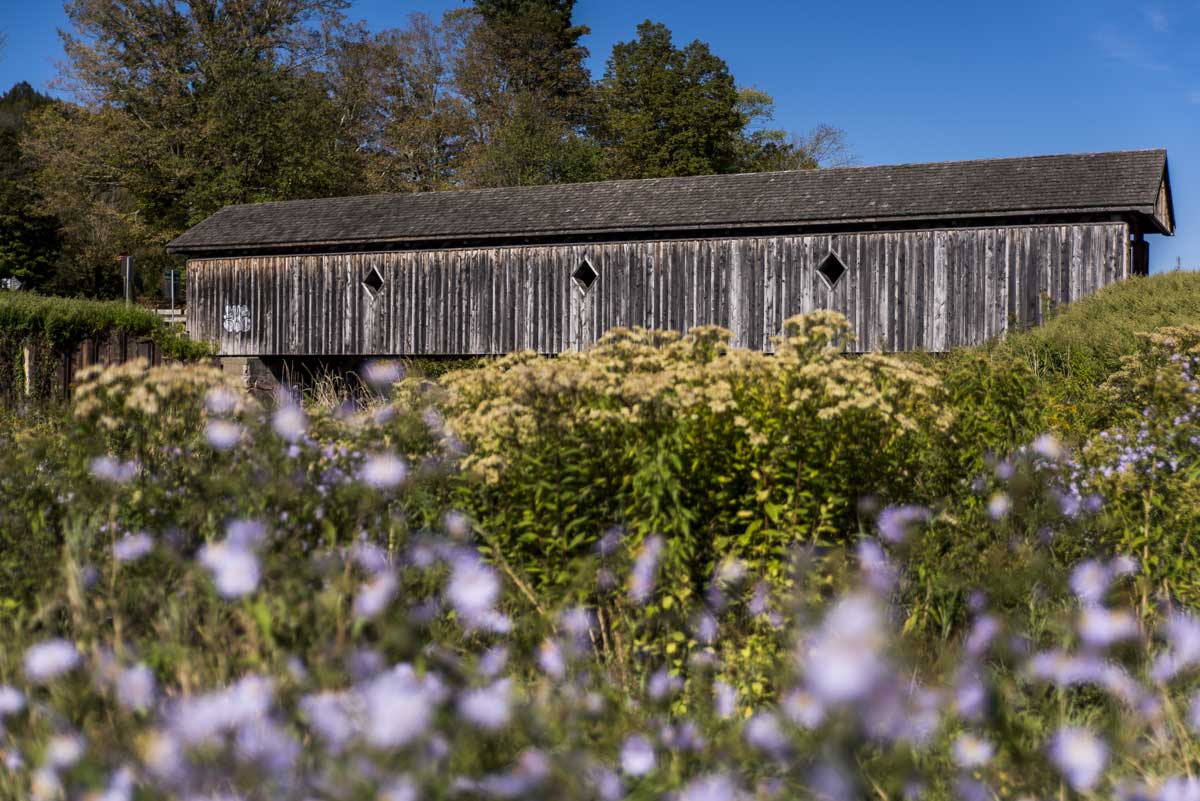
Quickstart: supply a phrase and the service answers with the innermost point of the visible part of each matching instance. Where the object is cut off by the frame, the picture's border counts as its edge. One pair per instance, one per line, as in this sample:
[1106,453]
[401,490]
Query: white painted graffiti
[237,319]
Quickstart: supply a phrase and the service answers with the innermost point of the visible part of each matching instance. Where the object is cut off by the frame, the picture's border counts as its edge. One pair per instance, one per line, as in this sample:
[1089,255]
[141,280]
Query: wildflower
[220,401]
[12,701]
[1177,788]
[110,469]
[645,568]
[222,434]
[999,506]
[1183,637]
[637,756]
[1090,580]
[725,699]
[1079,755]
[384,471]
[606,784]
[136,688]
[132,547]
[1193,713]
[200,719]
[843,660]
[895,522]
[246,533]
[982,633]
[663,685]
[45,785]
[401,789]
[493,660]
[382,373]
[705,628]
[234,569]
[487,707]
[971,751]
[63,751]
[1100,627]
[473,588]
[1048,447]
[50,659]
[764,733]
[334,716]
[458,525]
[711,787]
[399,707]
[374,596]
[289,422]
[550,660]
[803,709]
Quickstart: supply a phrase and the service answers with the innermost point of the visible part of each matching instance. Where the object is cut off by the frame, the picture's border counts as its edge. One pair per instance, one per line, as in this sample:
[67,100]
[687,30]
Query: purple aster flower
[374,596]
[971,751]
[136,688]
[132,547]
[1079,755]
[473,589]
[764,733]
[384,471]
[290,422]
[107,468]
[222,434]
[637,756]
[234,569]
[645,570]
[46,661]
[487,707]
[895,522]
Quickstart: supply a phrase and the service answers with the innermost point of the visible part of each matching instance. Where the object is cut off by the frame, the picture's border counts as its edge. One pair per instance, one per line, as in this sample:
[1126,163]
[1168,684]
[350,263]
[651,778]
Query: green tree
[184,108]
[29,241]
[669,110]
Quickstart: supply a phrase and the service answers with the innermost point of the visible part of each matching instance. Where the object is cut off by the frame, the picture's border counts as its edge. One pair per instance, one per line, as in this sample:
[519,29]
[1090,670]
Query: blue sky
[916,81]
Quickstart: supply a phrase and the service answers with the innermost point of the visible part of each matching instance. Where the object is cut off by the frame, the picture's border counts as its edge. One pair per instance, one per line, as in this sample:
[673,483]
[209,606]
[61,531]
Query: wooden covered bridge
[917,256]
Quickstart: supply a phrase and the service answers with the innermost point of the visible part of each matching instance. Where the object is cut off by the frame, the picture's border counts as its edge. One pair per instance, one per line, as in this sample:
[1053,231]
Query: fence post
[27,354]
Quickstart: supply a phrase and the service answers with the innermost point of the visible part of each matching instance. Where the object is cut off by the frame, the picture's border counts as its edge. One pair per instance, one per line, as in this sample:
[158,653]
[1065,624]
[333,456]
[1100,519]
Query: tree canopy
[182,108]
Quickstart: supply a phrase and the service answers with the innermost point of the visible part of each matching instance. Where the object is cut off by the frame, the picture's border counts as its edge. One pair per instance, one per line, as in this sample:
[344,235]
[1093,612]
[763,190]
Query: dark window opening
[832,269]
[585,275]
[373,281]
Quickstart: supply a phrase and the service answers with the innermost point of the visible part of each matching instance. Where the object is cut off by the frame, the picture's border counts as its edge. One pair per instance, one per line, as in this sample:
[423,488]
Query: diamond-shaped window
[373,281]
[585,275]
[831,269]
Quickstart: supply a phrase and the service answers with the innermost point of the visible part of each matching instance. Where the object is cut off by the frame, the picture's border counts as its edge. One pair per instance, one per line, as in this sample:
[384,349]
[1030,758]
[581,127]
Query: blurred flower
[487,707]
[222,434]
[999,506]
[803,709]
[1090,581]
[246,533]
[64,750]
[764,733]
[384,471]
[493,660]
[382,373]
[1100,627]
[199,719]
[844,658]
[1079,755]
[136,688]
[374,596]
[46,661]
[473,588]
[289,422]
[637,756]
[711,787]
[234,569]
[645,569]
[1183,640]
[334,716]
[662,685]
[1048,447]
[725,699]
[220,400]
[12,701]
[109,469]
[550,660]
[401,789]
[895,522]
[132,547]
[971,751]
[399,706]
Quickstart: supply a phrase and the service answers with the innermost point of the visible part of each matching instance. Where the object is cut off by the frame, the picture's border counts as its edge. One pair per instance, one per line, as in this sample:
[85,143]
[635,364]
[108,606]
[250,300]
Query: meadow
[662,568]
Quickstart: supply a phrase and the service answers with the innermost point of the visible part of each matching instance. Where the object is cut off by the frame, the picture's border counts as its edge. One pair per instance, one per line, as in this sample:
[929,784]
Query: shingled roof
[1123,183]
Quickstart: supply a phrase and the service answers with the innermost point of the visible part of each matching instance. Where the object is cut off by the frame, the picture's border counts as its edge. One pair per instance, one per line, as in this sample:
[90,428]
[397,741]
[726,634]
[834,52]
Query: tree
[520,69]
[184,108]
[29,241]
[668,110]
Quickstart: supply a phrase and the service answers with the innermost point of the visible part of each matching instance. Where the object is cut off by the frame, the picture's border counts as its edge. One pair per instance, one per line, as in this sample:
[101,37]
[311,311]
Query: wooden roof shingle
[1126,182]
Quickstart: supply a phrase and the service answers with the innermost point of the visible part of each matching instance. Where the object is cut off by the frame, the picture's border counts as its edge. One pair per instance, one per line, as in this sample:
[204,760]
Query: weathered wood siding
[903,290]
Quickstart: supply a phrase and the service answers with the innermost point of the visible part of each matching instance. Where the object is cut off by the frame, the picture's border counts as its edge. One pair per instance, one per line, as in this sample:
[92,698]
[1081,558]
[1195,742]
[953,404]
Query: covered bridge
[917,256]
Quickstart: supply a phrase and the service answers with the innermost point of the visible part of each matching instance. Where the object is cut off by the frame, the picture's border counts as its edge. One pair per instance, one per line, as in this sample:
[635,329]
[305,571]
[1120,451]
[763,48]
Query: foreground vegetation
[662,568]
